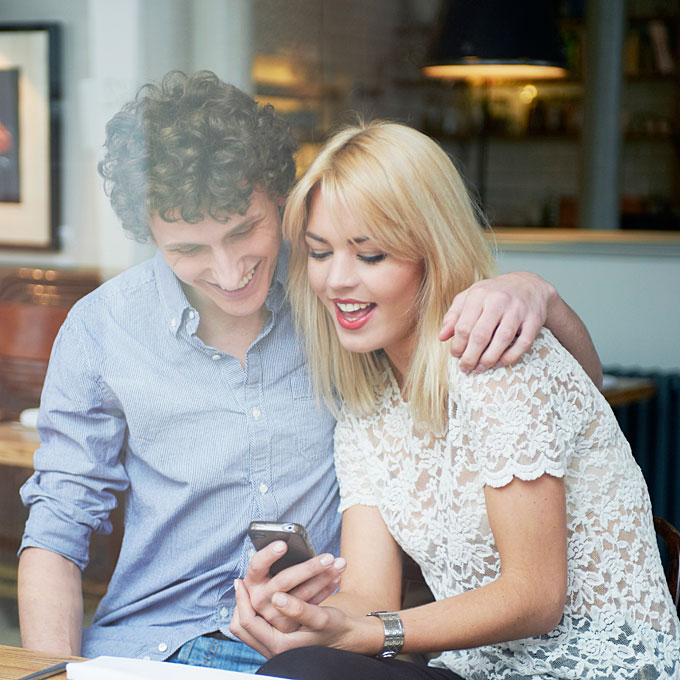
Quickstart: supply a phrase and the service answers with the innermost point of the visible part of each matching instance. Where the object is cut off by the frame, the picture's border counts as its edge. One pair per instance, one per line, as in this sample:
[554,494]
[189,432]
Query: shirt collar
[175,304]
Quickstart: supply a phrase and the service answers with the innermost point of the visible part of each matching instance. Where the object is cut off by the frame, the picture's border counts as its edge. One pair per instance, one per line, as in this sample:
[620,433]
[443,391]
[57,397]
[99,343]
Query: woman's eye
[372,259]
[319,255]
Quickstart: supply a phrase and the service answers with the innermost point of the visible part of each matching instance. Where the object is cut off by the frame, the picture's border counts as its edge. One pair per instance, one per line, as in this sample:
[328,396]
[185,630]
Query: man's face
[224,267]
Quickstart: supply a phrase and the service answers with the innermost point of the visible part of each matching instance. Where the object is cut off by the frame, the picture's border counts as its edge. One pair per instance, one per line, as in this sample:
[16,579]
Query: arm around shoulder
[50,602]
[496,320]
[572,333]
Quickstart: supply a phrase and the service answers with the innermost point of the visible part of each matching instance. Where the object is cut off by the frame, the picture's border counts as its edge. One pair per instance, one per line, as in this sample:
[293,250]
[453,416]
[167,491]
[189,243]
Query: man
[181,384]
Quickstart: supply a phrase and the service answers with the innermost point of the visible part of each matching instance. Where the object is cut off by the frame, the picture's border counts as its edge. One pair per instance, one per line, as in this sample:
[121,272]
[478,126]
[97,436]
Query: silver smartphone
[300,548]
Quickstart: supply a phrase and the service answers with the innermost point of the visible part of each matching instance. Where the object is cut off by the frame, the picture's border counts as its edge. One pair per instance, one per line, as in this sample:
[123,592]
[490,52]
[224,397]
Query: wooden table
[624,391]
[16,662]
[17,445]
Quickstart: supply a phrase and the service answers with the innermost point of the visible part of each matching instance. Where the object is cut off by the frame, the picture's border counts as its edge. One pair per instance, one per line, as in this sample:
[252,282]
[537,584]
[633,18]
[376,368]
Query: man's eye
[318,255]
[372,259]
[243,232]
[188,251]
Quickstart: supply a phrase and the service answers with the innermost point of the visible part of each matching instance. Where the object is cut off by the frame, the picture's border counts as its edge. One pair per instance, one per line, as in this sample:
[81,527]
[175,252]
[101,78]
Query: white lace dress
[542,415]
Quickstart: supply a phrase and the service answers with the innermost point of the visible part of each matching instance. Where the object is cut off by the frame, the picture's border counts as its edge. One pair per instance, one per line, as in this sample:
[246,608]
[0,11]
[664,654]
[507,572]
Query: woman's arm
[528,520]
[495,321]
[372,578]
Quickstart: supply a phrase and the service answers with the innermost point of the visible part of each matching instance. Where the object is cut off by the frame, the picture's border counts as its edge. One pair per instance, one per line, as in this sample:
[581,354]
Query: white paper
[117,668]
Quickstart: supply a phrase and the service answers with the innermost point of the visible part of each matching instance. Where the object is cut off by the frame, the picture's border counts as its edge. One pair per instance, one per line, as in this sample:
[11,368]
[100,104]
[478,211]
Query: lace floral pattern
[542,415]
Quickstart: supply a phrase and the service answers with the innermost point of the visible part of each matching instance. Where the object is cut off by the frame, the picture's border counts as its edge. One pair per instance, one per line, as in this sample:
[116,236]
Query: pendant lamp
[497,40]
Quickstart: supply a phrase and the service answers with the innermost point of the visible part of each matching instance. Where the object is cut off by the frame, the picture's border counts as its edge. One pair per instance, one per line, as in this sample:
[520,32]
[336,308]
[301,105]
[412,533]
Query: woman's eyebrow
[309,234]
[356,241]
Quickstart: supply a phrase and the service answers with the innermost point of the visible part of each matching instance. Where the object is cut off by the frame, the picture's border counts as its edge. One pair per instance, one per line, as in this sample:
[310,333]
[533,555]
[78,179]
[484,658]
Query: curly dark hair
[196,145]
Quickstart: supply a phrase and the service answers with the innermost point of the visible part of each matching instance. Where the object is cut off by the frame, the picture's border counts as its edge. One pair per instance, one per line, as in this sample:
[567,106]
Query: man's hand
[494,321]
[311,581]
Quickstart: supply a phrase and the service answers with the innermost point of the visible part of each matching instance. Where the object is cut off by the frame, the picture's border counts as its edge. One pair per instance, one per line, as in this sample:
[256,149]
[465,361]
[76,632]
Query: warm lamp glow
[274,69]
[528,94]
[481,71]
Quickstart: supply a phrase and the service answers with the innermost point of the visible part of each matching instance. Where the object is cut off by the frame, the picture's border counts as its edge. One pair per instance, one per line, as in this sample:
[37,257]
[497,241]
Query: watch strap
[394,633]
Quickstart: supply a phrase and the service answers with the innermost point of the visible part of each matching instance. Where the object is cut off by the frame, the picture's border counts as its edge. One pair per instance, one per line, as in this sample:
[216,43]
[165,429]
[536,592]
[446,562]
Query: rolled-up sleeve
[77,467]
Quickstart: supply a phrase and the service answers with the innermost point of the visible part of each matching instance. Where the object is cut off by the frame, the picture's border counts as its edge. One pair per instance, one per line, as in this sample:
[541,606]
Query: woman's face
[370,294]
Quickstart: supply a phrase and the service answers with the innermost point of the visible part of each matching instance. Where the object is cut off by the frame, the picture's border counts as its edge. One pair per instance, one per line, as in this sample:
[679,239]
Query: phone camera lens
[289,527]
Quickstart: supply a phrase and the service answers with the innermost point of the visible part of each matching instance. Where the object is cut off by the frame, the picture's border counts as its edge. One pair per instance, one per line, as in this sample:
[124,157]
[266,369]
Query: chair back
[27,333]
[33,305]
[671,540]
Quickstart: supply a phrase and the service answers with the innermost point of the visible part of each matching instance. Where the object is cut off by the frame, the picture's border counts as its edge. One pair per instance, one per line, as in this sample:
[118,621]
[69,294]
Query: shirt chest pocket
[311,422]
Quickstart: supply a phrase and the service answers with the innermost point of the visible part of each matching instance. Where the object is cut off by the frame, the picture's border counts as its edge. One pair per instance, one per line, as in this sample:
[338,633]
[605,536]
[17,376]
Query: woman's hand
[311,581]
[310,624]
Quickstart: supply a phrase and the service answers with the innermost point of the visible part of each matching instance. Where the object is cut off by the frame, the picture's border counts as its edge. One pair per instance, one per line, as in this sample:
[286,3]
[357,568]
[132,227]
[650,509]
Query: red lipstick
[352,321]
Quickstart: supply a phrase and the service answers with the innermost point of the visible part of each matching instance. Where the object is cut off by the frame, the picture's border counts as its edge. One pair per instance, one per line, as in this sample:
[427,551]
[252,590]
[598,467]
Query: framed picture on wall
[29,135]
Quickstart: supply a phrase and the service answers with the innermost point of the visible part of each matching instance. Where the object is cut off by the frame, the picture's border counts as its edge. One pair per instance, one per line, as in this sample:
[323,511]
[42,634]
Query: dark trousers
[323,663]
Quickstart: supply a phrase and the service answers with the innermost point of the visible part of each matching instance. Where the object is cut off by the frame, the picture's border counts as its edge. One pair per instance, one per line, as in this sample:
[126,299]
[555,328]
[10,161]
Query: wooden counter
[17,445]
[16,662]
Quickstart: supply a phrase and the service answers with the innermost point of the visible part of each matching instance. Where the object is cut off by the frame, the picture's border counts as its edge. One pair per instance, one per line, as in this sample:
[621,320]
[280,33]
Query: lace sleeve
[524,420]
[357,466]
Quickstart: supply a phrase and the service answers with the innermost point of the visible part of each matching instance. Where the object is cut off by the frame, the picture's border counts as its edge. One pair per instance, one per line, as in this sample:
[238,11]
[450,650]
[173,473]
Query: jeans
[230,655]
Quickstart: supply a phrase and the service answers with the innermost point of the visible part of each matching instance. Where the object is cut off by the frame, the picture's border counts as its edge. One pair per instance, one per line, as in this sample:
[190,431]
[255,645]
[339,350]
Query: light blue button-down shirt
[134,402]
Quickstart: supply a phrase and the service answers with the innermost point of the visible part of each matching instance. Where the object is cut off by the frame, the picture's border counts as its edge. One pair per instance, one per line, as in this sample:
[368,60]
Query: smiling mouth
[242,283]
[354,309]
[353,315]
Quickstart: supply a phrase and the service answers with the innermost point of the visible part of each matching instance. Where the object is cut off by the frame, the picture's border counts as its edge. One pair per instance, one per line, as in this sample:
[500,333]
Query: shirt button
[251,554]
[173,323]
[263,488]
[256,413]
[192,314]
[216,357]
[224,612]
[162,647]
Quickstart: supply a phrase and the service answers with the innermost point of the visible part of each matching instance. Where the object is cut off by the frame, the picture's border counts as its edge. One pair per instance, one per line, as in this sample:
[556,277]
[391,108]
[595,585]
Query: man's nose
[226,268]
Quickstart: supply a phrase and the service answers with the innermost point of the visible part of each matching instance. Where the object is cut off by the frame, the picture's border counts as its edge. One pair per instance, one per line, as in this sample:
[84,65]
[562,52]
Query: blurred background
[578,173]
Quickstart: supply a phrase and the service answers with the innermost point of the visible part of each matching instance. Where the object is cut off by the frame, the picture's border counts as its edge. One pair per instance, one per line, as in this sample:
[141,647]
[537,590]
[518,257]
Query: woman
[514,490]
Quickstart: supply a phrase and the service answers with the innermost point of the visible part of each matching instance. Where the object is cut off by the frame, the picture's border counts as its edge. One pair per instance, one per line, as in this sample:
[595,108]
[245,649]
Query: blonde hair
[406,191]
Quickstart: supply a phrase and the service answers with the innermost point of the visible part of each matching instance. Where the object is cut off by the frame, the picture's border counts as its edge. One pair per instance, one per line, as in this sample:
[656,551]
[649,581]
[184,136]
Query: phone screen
[300,548]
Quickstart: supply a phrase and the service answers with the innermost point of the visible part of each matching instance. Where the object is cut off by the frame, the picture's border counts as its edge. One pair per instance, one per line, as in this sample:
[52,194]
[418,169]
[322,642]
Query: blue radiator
[653,429]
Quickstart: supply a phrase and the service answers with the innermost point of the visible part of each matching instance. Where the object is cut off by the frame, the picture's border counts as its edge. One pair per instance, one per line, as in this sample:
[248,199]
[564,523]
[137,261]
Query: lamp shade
[497,39]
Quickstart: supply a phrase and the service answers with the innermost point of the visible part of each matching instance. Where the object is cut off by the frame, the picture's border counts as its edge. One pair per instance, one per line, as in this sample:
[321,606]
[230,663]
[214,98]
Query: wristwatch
[394,634]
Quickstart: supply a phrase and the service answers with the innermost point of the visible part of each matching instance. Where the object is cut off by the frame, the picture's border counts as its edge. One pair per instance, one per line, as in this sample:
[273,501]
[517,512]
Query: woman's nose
[342,272]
